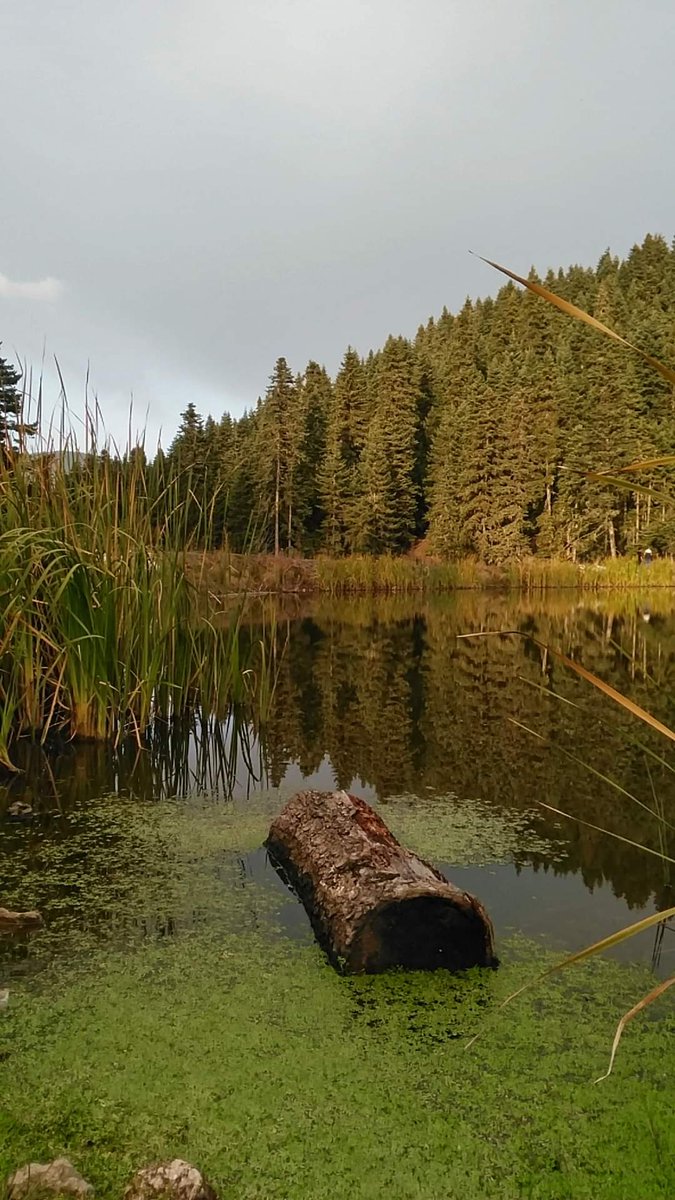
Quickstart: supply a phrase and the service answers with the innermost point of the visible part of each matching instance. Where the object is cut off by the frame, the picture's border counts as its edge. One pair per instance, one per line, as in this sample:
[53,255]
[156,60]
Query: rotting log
[16,922]
[372,903]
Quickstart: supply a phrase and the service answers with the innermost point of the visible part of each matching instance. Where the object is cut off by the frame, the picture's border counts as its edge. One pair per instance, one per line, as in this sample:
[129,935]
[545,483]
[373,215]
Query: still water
[461,742]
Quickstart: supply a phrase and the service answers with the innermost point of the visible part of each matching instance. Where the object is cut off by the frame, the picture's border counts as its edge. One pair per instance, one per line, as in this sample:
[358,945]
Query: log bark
[372,903]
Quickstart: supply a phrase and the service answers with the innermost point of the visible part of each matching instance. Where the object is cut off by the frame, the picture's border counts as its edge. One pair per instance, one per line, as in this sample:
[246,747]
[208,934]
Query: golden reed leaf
[571,310]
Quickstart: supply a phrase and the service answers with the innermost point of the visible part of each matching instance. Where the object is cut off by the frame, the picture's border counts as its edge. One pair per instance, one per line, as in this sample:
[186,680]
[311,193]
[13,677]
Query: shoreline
[224,575]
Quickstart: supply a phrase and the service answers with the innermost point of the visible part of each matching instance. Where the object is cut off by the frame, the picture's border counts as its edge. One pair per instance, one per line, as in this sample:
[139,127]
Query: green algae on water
[165,1011]
[281,1079]
[467,832]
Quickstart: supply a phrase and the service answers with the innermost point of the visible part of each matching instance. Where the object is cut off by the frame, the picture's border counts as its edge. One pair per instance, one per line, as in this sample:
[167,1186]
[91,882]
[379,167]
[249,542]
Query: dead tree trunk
[372,903]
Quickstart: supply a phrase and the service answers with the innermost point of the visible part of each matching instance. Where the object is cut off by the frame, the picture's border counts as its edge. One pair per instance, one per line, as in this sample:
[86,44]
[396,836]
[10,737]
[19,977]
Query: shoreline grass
[222,574]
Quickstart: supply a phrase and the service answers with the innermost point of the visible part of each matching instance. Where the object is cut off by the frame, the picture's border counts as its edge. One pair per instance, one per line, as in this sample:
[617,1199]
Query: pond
[175,1002]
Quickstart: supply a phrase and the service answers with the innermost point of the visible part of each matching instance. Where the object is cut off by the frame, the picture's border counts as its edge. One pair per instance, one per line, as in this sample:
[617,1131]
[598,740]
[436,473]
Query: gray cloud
[222,183]
[41,289]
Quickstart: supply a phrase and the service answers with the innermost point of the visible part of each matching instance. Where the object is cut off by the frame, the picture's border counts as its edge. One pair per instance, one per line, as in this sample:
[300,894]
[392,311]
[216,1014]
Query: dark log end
[421,933]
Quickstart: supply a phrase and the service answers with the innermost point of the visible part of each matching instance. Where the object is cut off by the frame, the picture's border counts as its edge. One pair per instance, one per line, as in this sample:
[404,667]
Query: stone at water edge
[17,921]
[58,1177]
[19,811]
[176,1180]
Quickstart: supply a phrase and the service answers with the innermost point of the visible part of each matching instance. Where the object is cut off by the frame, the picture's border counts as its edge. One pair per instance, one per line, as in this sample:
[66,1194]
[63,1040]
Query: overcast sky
[191,188]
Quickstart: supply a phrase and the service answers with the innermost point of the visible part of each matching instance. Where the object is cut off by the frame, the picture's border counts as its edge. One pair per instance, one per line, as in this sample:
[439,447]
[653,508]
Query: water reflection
[391,696]
[198,753]
[381,696]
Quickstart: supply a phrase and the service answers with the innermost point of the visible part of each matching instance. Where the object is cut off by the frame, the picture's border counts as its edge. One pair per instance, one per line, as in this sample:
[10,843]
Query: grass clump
[100,629]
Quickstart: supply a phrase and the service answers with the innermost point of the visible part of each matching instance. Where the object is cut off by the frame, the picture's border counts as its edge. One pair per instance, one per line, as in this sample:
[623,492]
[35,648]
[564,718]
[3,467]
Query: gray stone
[176,1180]
[19,811]
[57,1178]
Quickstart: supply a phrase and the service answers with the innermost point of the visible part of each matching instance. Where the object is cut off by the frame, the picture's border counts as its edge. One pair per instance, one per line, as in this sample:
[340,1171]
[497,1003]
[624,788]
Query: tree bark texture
[372,903]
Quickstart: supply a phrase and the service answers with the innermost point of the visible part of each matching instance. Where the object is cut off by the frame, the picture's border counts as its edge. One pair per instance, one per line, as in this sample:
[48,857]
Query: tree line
[475,437]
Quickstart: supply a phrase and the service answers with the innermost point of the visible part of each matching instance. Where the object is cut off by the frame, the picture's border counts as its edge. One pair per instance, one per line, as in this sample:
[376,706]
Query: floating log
[14,922]
[372,903]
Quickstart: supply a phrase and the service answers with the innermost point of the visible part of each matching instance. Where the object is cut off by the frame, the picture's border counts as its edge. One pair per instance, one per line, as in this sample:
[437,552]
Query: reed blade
[571,310]
[598,683]
[608,943]
[633,1012]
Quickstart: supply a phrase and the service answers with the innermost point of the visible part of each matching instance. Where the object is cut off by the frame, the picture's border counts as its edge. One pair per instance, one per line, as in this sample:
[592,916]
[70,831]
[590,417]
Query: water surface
[176,1002]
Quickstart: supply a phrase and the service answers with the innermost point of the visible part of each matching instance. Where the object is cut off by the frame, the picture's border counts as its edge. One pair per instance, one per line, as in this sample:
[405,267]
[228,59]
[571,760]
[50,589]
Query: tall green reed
[101,630]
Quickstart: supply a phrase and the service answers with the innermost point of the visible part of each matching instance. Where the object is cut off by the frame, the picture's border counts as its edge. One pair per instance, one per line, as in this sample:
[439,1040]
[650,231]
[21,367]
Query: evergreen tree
[346,427]
[385,508]
[314,399]
[245,524]
[13,429]
[482,432]
[187,458]
[453,414]
[278,442]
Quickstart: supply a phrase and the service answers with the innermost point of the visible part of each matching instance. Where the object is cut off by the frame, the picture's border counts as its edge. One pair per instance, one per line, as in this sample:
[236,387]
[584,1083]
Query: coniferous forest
[473,438]
[474,435]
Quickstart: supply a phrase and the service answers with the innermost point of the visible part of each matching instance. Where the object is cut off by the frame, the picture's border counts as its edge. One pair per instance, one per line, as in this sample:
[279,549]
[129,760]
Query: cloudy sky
[191,188]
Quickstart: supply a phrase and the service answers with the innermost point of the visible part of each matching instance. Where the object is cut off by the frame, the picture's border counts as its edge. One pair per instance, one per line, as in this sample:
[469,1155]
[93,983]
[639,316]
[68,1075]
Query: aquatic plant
[101,631]
[172,1006]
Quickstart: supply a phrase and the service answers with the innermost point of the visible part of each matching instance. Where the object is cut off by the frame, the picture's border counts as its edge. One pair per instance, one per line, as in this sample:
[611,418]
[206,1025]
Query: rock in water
[372,903]
[19,811]
[11,922]
[175,1180]
[57,1178]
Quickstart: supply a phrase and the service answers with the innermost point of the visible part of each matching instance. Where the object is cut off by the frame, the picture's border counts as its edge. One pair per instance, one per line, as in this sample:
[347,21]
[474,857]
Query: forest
[480,437]
[474,437]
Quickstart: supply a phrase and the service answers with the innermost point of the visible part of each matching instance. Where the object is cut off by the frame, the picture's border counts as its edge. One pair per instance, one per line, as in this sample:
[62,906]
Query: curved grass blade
[598,683]
[633,1012]
[607,943]
[571,310]
[608,832]
[626,737]
[594,771]
[666,460]
[628,485]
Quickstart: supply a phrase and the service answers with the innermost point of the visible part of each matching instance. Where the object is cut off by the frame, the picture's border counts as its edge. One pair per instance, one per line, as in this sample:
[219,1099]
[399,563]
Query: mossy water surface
[176,1005]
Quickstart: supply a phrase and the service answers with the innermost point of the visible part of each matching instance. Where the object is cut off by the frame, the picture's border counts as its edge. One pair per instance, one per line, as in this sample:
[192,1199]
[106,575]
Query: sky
[190,190]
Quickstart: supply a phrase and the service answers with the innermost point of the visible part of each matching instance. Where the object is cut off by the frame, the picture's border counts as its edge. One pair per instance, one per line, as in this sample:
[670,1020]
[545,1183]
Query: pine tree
[482,432]
[187,455]
[385,509]
[314,399]
[346,426]
[278,438]
[245,524]
[452,417]
[13,429]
